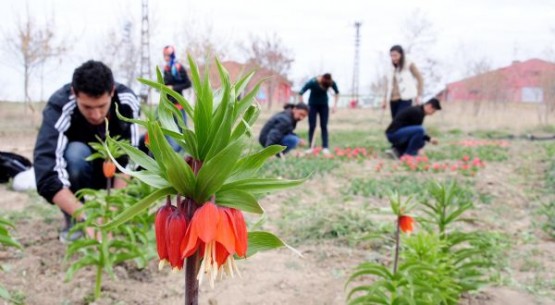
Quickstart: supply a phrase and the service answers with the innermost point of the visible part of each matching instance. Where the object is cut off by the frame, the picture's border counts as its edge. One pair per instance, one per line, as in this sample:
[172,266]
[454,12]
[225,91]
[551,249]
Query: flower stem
[98,283]
[397,237]
[191,282]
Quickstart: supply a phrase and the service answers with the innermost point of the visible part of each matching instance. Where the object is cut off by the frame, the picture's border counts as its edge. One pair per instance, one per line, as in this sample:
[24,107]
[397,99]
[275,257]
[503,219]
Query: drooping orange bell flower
[219,232]
[176,228]
[406,223]
[160,225]
[109,169]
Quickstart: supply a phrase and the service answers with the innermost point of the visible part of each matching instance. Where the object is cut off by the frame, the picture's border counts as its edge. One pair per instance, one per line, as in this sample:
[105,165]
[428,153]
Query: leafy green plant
[106,247]
[213,184]
[435,265]
[6,240]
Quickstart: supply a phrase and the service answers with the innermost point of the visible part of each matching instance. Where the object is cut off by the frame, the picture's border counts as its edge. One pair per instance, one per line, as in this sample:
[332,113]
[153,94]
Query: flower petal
[206,220]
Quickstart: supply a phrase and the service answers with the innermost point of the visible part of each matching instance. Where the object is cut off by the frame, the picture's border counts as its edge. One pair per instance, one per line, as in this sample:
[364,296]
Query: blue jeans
[290,141]
[82,174]
[398,105]
[408,140]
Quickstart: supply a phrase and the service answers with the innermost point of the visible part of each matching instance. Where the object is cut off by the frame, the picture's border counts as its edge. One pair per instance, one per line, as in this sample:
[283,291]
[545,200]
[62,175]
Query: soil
[278,277]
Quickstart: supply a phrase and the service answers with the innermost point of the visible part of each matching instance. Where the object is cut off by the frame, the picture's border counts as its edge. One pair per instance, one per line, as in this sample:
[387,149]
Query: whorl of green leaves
[221,124]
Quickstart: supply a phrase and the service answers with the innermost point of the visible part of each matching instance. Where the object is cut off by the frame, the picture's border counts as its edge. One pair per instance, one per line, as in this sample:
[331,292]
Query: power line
[356,63]
[145,52]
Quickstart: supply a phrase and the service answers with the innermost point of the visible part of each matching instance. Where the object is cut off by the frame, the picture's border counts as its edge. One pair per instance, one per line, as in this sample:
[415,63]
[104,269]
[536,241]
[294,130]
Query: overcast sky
[321,36]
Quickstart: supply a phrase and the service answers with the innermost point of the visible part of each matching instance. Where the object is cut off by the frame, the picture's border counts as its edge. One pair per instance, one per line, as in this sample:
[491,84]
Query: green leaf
[249,165]
[5,294]
[6,223]
[139,157]
[239,200]
[128,120]
[215,171]
[264,185]
[245,124]
[80,264]
[165,90]
[178,172]
[138,207]
[263,241]
[247,100]
[241,84]
[80,244]
[8,241]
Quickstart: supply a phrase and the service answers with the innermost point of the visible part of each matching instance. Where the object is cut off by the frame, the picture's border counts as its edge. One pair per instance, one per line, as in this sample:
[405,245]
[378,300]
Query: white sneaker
[308,151]
[326,152]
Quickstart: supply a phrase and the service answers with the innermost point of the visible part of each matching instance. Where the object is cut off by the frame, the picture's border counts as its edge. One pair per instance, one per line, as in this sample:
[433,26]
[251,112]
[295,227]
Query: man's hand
[334,109]
[417,100]
[302,143]
[384,104]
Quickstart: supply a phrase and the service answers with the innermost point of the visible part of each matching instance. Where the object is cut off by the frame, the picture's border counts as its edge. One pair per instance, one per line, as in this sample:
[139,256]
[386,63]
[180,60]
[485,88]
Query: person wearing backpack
[175,76]
[74,116]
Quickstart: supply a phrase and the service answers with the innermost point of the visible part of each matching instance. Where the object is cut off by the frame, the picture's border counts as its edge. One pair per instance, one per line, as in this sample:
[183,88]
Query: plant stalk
[98,283]
[191,282]
[397,241]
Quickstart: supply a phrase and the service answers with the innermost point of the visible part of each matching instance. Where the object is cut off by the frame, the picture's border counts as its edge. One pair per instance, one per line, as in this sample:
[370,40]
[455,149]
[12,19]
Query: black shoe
[393,153]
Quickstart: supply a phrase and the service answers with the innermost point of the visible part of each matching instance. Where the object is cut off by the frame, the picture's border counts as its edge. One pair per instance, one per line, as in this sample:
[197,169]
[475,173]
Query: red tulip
[406,223]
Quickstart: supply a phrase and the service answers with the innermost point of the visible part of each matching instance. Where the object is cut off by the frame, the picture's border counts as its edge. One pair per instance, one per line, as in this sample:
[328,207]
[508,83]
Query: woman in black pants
[318,105]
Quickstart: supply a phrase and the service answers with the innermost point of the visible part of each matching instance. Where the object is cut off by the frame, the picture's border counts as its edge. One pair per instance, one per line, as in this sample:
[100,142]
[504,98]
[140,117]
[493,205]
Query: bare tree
[120,52]
[33,44]
[201,42]
[419,38]
[269,53]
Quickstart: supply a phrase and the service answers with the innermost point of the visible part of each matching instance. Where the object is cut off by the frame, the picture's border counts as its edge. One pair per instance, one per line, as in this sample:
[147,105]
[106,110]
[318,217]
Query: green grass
[328,220]
[456,152]
[297,168]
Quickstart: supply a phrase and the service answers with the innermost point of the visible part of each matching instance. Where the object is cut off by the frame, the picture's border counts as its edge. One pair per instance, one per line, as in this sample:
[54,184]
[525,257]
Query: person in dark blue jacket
[279,129]
[318,103]
[175,76]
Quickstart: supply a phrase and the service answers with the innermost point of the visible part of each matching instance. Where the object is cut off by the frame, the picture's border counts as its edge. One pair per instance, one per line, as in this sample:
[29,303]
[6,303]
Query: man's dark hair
[92,78]
[301,106]
[435,103]
[397,48]
[327,81]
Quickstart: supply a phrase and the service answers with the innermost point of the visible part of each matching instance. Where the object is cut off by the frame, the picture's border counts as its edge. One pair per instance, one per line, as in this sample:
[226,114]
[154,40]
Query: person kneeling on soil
[279,129]
[75,115]
[406,133]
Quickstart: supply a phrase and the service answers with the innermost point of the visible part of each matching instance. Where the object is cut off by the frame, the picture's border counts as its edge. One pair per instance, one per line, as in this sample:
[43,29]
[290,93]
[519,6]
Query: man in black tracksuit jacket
[279,129]
[73,117]
[406,133]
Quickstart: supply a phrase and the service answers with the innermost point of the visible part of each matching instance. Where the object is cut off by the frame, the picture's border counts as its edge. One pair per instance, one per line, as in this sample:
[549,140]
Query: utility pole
[356,64]
[145,52]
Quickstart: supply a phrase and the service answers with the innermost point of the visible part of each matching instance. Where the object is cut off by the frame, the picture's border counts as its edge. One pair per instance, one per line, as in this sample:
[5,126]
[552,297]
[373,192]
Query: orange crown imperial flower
[160,225]
[406,223]
[109,169]
[220,232]
[176,228]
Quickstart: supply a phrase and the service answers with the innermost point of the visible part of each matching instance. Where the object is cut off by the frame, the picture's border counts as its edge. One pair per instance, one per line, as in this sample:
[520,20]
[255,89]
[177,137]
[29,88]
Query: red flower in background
[406,223]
